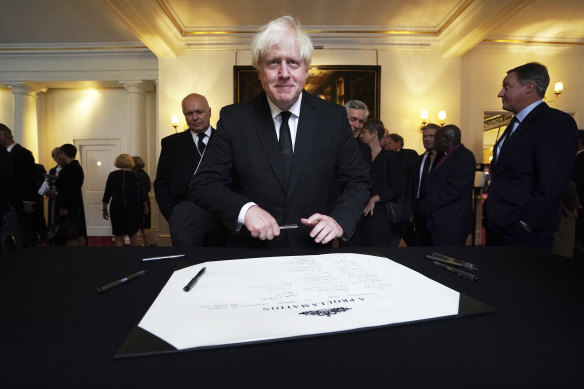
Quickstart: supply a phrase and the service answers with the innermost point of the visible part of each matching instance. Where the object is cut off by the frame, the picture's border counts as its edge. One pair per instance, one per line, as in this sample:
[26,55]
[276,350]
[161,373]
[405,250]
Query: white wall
[209,73]
[68,114]
[413,80]
[484,68]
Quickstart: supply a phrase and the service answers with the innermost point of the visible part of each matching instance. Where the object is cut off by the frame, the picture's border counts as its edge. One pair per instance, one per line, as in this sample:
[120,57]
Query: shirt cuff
[241,217]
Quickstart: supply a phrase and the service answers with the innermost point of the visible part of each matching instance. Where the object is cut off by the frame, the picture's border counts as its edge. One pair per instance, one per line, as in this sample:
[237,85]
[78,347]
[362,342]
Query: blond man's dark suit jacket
[243,163]
[532,171]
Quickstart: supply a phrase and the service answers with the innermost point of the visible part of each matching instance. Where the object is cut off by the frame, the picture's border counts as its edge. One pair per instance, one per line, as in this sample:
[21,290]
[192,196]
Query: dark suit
[243,163]
[190,225]
[418,234]
[447,203]
[21,178]
[410,160]
[529,179]
[578,179]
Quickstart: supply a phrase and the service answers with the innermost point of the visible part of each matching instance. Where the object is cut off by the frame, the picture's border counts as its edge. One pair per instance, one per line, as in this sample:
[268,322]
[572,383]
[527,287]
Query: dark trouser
[15,233]
[192,226]
[515,235]
[417,234]
[441,239]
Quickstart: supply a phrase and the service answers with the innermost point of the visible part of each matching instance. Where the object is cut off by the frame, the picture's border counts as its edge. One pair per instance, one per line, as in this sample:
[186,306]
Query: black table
[56,331]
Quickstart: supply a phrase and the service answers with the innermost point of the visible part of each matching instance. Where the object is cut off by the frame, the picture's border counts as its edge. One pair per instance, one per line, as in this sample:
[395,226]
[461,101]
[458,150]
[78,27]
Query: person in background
[48,189]
[181,153]
[357,113]
[532,164]
[128,201]
[418,234]
[447,199]
[40,223]
[144,180]
[385,140]
[388,176]
[69,199]
[410,158]
[20,194]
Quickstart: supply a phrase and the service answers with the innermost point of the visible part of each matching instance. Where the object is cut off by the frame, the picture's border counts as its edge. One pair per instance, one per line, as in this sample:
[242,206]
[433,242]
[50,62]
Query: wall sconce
[424,117]
[442,117]
[174,122]
[558,88]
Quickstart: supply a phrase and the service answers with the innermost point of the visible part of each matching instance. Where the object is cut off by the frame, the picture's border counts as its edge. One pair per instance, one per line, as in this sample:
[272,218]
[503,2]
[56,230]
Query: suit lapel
[522,128]
[304,137]
[190,148]
[264,126]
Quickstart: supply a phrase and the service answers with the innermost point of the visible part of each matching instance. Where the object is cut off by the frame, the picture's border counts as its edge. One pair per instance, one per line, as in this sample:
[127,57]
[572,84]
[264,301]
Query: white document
[257,299]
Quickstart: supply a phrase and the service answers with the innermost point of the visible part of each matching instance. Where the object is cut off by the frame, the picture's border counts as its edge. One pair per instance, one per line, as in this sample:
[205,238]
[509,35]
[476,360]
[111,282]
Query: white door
[97,157]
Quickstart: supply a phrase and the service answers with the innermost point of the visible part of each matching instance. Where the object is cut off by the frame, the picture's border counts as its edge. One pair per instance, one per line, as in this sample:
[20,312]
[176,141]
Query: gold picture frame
[335,83]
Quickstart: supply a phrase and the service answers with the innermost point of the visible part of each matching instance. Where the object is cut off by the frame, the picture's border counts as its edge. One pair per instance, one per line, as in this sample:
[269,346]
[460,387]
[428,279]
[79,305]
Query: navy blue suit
[529,179]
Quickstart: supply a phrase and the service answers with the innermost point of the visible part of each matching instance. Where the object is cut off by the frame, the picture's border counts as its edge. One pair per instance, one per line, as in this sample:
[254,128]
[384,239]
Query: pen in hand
[195,279]
[120,282]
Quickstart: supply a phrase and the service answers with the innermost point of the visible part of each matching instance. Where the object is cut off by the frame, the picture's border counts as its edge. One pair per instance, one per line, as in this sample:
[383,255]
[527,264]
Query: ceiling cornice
[476,22]
[148,22]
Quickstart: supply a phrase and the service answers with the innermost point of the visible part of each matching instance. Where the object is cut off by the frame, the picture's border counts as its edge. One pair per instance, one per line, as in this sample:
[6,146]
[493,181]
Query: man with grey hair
[357,113]
[532,164]
[273,160]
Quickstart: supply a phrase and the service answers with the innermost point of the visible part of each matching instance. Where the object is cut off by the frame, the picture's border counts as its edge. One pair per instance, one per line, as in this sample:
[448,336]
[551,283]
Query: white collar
[294,109]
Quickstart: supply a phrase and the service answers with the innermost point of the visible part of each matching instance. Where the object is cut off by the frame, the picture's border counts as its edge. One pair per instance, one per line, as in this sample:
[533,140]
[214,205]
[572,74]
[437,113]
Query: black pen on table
[467,265]
[120,282]
[195,279]
[458,272]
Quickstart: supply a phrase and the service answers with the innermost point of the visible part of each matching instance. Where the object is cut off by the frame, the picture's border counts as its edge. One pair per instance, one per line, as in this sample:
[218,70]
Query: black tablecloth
[57,331]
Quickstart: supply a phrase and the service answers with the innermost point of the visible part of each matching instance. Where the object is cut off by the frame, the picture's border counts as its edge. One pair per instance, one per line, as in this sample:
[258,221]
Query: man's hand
[261,224]
[325,228]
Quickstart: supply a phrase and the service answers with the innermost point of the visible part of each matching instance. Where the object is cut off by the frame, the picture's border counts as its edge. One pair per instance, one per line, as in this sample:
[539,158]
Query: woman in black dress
[128,201]
[388,176]
[69,199]
[144,180]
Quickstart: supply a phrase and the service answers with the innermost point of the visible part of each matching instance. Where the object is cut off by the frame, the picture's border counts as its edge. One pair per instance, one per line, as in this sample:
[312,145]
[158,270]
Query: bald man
[181,153]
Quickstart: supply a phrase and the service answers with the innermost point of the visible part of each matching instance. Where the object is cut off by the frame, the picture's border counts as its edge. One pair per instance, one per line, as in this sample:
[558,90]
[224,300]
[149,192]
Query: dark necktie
[506,135]
[286,143]
[425,171]
[201,144]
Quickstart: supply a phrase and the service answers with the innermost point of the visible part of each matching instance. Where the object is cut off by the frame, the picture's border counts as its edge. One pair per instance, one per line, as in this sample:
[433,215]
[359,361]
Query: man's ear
[530,88]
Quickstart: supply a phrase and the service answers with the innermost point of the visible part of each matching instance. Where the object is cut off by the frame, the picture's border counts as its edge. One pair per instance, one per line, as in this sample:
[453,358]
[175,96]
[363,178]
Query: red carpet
[99,241]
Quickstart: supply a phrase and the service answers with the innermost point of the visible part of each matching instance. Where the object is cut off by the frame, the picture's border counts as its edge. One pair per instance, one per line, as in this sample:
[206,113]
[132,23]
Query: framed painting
[337,84]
